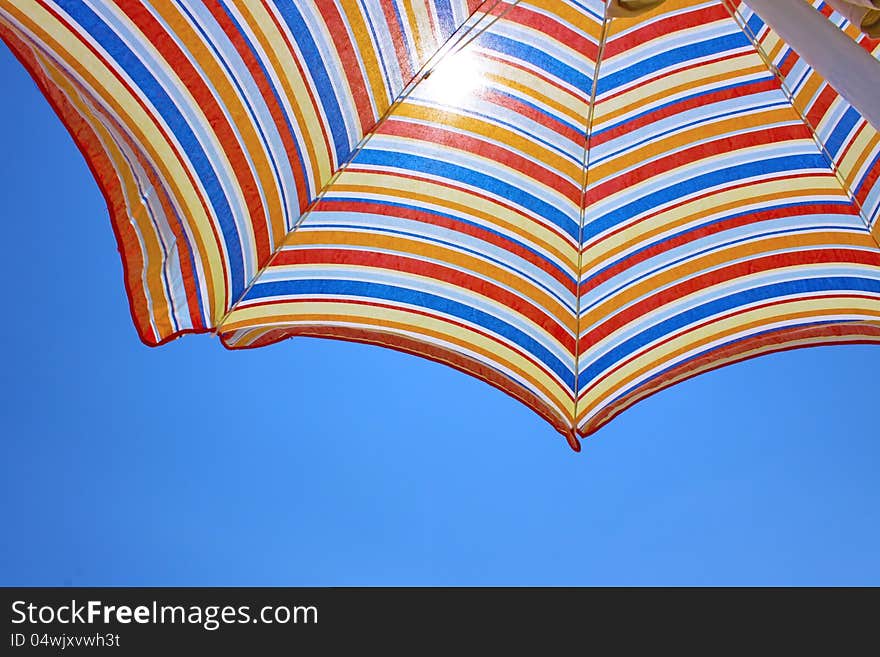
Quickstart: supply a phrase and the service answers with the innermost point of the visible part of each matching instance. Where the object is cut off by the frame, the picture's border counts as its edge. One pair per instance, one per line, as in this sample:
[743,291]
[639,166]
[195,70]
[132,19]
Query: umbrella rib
[790,97]
[461,38]
[606,21]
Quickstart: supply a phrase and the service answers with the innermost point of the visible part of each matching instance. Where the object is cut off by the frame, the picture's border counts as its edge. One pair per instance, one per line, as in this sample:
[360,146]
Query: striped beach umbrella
[579,203]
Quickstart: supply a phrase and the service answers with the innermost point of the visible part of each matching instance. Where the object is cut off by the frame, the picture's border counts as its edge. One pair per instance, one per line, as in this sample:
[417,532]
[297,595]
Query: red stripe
[163,195]
[669,338]
[73,31]
[624,226]
[668,243]
[821,104]
[298,170]
[791,58]
[135,96]
[663,26]
[374,304]
[687,65]
[740,351]
[399,40]
[351,63]
[442,273]
[437,134]
[516,106]
[554,29]
[413,214]
[683,105]
[866,184]
[206,98]
[719,146]
[328,144]
[752,266]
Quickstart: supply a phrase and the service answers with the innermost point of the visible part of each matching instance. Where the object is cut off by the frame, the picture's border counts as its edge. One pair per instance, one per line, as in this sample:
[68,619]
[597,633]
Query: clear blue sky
[327,463]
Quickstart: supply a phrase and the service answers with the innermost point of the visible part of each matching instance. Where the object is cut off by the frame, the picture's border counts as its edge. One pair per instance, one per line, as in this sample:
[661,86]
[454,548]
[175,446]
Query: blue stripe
[382,292]
[471,177]
[716,246]
[380,53]
[867,178]
[775,291]
[553,262]
[723,104]
[657,62]
[782,62]
[147,84]
[519,128]
[302,33]
[539,59]
[755,24]
[255,120]
[446,17]
[458,247]
[699,183]
[281,108]
[646,382]
[696,254]
[557,119]
[841,131]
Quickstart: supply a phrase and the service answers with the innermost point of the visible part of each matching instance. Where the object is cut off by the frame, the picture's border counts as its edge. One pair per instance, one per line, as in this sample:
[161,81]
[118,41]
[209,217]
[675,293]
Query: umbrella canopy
[578,208]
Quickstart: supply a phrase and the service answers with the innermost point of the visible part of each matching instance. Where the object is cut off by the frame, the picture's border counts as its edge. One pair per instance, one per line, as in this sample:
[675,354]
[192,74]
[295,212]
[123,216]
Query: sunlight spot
[456,77]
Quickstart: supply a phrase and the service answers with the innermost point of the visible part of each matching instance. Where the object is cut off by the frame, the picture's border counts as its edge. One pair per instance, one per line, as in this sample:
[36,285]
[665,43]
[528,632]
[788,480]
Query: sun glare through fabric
[455,78]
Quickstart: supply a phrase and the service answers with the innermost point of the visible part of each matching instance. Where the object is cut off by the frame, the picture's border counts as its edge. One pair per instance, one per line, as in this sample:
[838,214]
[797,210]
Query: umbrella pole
[845,65]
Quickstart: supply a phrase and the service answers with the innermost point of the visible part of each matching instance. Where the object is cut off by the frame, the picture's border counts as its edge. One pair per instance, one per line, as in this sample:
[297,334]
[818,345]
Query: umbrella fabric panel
[578,212]
[212,126]
[849,141]
[167,285]
[715,227]
[454,231]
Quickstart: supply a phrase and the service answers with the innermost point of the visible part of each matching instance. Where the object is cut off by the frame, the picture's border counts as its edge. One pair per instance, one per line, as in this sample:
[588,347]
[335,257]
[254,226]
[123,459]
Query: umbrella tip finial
[573,441]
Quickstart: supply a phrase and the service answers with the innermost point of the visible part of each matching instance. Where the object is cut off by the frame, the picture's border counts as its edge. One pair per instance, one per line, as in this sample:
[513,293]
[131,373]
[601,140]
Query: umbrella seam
[606,21]
[454,44]
[735,15]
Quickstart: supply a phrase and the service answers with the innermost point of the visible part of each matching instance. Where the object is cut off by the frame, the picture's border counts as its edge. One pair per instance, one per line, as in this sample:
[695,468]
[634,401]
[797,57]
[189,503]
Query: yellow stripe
[282,314]
[490,213]
[803,311]
[684,271]
[422,249]
[142,124]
